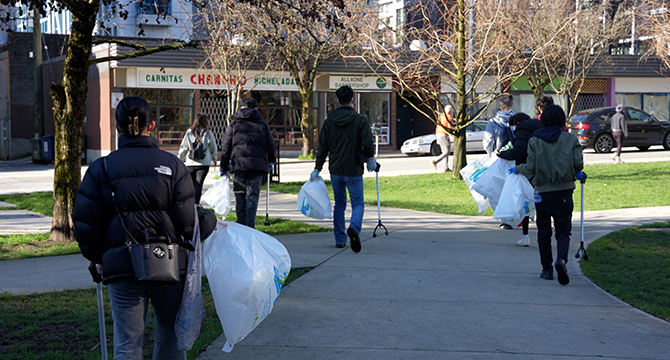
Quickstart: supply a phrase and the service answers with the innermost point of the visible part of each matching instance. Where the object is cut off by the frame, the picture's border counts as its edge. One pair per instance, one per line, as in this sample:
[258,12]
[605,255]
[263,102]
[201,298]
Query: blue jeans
[247,187]
[130,301]
[342,184]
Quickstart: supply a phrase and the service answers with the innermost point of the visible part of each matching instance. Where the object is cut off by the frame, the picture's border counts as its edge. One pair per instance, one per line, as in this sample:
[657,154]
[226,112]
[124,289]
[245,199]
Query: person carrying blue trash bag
[346,139]
[555,161]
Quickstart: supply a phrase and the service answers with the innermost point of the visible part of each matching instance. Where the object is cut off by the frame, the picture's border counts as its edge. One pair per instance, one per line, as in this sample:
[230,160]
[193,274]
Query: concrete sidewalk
[451,287]
[437,287]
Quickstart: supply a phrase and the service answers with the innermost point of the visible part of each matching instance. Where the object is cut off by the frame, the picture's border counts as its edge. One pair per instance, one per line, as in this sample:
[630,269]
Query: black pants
[198,175]
[557,205]
[247,187]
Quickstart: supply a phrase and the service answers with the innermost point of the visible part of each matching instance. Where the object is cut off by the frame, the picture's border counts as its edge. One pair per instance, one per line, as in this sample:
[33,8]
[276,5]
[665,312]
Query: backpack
[198,148]
[506,139]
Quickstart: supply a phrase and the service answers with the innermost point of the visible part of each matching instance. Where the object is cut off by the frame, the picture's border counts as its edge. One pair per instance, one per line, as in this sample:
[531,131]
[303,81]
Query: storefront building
[177,93]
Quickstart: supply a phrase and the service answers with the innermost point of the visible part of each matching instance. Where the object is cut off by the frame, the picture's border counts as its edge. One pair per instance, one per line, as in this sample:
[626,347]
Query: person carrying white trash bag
[524,127]
[346,139]
[555,161]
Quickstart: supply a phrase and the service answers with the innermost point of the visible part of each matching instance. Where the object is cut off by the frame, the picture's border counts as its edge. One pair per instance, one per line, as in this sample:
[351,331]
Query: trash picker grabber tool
[581,251]
[379,211]
[101,309]
[267,200]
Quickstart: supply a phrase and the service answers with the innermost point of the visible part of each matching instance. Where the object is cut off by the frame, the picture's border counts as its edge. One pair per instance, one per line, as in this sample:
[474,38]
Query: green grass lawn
[23,246]
[64,325]
[608,187]
[39,202]
[633,264]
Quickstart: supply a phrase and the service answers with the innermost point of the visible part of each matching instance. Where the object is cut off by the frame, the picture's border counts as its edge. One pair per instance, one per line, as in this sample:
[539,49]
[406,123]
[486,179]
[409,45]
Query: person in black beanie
[248,152]
[554,161]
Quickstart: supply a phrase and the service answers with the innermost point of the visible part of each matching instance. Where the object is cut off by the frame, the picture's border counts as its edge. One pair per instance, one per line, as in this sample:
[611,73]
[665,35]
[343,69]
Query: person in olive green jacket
[346,139]
[555,161]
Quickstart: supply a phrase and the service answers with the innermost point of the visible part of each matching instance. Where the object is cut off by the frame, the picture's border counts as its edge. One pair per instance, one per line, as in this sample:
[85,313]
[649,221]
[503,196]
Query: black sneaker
[562,272]
[355,240]
[341,246]
[547,274]
[506,226]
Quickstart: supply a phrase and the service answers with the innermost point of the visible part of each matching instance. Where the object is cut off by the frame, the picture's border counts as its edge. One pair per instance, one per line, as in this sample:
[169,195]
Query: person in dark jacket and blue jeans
[555,161]
[344,134]
[247,152]
[524,127]
[154,193]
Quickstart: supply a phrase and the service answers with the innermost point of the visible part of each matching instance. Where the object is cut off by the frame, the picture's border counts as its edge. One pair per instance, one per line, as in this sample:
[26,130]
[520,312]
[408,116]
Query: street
[21,176]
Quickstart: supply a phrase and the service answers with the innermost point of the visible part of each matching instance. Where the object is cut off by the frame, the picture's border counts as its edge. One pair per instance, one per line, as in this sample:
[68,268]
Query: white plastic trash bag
[491,182]
[192,309]
[474,170]
[313,200]
[246,270]
[516,201]
[218,196]
[471,173]
[481,201]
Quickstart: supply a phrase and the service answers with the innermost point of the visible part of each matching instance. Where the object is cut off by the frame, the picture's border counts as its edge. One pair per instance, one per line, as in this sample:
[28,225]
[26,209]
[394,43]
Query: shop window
[375,106]
[171,109]
[282,110]
[657,105]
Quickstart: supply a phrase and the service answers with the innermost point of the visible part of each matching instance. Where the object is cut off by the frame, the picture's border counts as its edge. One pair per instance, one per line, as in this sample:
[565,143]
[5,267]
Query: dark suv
[593,129]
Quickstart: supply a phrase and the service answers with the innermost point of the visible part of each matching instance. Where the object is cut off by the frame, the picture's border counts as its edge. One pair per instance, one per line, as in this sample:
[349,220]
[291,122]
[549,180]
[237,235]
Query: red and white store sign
[166,78]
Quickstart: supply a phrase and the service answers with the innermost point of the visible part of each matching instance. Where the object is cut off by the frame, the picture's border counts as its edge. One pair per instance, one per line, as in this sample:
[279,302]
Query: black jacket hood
[342,116]
[549,134]
[248,114]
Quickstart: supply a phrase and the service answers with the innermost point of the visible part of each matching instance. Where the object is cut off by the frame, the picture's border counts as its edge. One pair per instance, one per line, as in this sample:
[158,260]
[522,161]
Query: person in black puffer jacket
[525,127]
[248,151]
[153,190]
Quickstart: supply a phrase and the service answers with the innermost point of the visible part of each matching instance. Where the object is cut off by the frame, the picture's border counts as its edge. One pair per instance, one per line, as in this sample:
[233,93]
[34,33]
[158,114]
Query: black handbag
[156,260]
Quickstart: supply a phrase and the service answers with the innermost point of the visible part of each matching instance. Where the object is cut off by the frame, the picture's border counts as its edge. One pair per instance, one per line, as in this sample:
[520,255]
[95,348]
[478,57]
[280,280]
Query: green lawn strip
[608,186]
[64,324]
[282,226]
[39,202]
[633,264]
[23,246]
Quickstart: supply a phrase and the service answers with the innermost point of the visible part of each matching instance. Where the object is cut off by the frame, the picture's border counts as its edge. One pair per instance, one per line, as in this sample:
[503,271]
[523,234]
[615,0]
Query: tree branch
[157,49]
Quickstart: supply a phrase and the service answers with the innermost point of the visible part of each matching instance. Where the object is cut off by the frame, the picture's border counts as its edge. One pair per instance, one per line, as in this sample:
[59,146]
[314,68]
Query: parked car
[593,129]
[427,144]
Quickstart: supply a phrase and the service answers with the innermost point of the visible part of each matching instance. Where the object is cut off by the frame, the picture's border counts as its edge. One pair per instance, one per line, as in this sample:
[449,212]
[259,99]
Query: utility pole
[38,96]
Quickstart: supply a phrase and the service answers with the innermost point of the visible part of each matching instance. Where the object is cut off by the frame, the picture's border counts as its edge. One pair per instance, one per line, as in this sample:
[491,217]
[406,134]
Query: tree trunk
[69,101]
[460,161]
[307,123]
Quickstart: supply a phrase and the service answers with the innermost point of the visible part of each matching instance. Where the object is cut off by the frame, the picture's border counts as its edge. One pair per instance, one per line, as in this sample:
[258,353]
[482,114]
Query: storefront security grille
[215,108]
[589,101]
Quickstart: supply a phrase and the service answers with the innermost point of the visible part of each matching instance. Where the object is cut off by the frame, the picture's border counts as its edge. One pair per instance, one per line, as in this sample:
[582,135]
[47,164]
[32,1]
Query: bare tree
[461,51]
[653,27]
[582,40]
[299,36]
[227,50]
[69,98]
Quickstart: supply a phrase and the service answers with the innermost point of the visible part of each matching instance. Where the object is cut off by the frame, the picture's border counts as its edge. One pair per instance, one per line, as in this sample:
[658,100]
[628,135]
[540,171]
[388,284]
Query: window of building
[655,104]
[172,111]
[282,110]
[374,106]
[162,7]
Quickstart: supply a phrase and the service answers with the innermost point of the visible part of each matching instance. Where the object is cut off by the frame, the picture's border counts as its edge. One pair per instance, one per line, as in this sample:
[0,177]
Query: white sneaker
[524,241]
